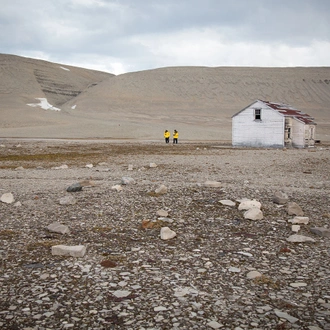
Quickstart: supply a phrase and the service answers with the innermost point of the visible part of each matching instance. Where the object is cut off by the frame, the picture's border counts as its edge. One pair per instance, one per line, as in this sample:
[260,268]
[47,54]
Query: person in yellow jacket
[175,137]
[167,135]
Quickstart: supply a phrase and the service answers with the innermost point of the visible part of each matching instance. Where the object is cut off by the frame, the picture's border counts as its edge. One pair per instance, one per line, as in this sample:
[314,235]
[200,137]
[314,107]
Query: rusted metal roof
[289,111]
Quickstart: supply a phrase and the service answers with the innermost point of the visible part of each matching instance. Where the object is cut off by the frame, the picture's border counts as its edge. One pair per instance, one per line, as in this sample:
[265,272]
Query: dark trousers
[175,141]
[167,140]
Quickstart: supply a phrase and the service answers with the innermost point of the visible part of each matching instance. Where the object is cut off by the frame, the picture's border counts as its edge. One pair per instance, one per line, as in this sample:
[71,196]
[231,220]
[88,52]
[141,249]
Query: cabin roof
[289,111]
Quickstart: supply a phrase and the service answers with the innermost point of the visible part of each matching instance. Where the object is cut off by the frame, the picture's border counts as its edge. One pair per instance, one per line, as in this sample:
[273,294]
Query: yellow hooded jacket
[167,134]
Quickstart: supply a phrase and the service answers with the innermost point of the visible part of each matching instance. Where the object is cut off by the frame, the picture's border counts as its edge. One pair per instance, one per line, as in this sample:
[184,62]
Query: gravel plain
[130,278]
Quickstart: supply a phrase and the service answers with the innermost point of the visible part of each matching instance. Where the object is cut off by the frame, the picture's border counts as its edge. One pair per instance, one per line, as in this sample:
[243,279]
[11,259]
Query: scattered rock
[74,187]
[299,220]
[299,239]
[253,274]
[68,200]
[130,168]
[121,293]
[161,190]
[212,184]
[295,228]
[19,168]
[162,213]
[280,198]
[108,264]
[7,198]
[166,233]
[234,269]
[57,227]
[253,214]
[89,166]
[285,316]
[65,250]
[117,187]
[125,180]
[227,202]
[249,204]
[152,165]
[294,209]
[215,325]
[321,231]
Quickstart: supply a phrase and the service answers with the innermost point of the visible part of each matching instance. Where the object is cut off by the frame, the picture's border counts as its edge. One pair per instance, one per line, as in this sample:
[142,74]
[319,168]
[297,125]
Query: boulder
[161,190]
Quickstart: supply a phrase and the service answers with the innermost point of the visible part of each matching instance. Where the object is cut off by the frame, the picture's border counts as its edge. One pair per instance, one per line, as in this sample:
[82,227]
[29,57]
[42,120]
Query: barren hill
[198,101]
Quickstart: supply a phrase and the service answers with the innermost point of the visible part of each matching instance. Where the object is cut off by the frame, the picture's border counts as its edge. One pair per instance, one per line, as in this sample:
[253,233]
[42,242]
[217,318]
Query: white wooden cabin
[268,124]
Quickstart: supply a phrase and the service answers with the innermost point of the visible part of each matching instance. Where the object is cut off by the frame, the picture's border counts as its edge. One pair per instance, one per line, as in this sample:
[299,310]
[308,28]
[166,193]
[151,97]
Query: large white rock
[68,200]
[253,214]
[249,204]
[167,233]
[57,227]
[162,213]
[299,239]
[7,198]
[65,250]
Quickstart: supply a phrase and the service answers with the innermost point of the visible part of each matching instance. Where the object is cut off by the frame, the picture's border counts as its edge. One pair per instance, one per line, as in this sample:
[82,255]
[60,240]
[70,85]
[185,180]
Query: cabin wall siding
[268,132]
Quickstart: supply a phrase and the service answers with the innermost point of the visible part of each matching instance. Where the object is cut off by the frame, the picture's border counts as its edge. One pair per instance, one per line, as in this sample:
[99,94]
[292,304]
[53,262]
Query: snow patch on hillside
[43,104]
[66,69]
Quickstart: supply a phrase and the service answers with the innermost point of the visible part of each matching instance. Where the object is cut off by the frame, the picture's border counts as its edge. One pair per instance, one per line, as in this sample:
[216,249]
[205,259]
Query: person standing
[175,137]
[167,135]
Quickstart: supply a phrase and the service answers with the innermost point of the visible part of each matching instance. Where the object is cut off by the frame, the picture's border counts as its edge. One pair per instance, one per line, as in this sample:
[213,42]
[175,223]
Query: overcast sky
[121,36]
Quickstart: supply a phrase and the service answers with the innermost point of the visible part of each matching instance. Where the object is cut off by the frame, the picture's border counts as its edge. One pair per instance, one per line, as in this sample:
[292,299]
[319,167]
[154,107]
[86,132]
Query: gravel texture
[220,270]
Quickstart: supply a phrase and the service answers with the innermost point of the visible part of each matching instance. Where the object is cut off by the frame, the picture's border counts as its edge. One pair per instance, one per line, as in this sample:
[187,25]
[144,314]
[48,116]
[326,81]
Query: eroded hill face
[198,101]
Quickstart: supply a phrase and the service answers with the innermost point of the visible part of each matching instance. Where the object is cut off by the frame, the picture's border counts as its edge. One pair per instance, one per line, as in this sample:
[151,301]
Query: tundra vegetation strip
[203,278]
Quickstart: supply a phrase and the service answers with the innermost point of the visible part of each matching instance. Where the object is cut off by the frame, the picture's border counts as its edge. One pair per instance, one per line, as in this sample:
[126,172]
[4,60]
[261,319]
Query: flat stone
[295,228]
[121,293]
[151,165]
[321,231]
[299,239]
[280,198]
[285,316]
[65,250]
[161,190]
[62,167]
[298,284]
[166,233]
[253,214]
[162,213]
[294,209]
[299,220]
[127,180]
[234,270]
[212,184]
[89,165]
[7,198]
[227,202]
[57,227]
[249,204]
[160,309]
[253,274]
[215,325]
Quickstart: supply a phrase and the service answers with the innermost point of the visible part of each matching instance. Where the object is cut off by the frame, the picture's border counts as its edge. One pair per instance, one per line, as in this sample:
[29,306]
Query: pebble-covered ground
[131,278]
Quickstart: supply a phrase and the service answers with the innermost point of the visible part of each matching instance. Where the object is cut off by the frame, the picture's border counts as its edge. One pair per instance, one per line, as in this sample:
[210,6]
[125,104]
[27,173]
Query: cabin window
[257,114]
